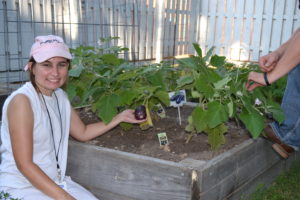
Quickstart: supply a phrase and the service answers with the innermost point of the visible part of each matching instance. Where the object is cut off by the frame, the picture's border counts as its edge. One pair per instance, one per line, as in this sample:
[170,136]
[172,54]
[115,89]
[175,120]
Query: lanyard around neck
[52,132]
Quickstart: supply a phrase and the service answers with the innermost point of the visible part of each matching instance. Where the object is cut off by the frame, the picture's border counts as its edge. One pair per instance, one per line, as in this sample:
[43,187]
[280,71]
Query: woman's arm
[20,121]
[289,59]
[83,132]
[277,64]
[268,62]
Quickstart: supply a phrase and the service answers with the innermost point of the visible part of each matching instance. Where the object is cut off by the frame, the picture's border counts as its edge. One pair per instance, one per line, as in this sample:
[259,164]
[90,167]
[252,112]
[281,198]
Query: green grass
[285,187]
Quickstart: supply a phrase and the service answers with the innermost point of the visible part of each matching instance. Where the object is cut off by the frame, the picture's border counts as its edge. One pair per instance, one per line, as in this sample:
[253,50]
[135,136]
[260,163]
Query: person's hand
[268,62]
[128,116]
[255,80]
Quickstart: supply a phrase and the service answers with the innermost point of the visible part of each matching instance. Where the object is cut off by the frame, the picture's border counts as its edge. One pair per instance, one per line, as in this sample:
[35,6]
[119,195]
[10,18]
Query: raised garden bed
[111,173]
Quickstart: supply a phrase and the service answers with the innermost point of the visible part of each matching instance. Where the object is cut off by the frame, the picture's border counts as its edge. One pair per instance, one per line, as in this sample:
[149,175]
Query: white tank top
[43,147]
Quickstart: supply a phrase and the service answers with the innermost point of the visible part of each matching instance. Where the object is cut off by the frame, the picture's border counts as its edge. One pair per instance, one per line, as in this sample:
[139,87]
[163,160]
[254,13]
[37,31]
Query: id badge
[63,185]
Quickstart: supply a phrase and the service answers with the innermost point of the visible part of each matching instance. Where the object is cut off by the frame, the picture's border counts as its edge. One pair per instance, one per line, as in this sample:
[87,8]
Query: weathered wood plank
[128,176]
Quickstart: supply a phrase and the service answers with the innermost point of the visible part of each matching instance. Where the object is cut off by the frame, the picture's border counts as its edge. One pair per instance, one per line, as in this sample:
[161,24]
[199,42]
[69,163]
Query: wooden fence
[151,29]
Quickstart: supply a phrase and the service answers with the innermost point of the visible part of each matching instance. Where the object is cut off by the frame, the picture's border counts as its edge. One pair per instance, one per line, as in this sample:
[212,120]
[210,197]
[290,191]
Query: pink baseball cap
[49,46]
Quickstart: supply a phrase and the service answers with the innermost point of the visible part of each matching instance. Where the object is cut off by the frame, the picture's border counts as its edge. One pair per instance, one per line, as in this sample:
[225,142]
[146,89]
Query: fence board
[236,45]
[288,20]
[297,16]
[211,23]
[218,33]
[247,31]
[149,29]
[257,29]
[267,26]
[3,25]
[277,24]
[193,26]
[228,27]
[11,39]
[203,25]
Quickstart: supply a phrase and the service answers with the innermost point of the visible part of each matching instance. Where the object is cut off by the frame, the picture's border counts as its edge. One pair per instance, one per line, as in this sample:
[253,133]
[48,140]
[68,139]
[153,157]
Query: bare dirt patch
[146,142]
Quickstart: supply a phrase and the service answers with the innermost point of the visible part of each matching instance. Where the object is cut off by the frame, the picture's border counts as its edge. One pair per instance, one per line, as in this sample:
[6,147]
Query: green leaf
[195,94]
[190,127]
[90,92]
[276,111]
[111,59]
[230,109]
[127,96]
[199,119]
[220,84]
[126,76]
[107,107]
[198,49]
[216,114]
[212,76]
[208,54]
[71,90]
[163,97]
[157,79]
[216,136]
[76,70]
[278,114]
[217,61]
[253,121]
[204,87]
[184,80]
[188,62]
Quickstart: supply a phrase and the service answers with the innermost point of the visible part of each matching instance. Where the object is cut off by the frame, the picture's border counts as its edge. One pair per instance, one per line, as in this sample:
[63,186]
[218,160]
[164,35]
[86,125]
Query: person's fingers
[252,87]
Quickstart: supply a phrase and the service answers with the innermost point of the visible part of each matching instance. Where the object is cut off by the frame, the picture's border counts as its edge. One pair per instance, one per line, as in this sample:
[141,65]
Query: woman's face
[51,74]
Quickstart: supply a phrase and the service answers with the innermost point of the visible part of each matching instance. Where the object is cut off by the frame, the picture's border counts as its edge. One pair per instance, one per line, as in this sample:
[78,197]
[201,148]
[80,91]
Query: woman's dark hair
[32,76]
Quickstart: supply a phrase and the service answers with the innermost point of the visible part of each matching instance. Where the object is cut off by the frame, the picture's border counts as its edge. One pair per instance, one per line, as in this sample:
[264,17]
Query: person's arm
[20,121]
[289,59]
[277,64]
[268,62]
[83,132]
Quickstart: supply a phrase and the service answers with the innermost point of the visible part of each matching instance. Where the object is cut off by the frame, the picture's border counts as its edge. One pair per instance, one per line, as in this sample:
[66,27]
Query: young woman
[36,123]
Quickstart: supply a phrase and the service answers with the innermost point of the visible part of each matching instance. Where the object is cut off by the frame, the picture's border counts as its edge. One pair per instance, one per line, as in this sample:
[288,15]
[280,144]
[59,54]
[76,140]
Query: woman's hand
[255,80]
[128,116]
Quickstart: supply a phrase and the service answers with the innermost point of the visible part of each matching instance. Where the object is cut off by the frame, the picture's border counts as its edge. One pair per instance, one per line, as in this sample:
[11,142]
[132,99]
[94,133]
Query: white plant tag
[177,98]
[163,139]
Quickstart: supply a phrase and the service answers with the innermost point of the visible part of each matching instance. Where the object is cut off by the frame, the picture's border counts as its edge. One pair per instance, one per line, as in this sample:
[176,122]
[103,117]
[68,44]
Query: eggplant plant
[109,84]
[219,90]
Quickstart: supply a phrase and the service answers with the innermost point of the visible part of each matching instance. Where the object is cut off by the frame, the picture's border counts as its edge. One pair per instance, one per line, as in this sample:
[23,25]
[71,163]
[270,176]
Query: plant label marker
[179,115]
[177,99]
[163,139]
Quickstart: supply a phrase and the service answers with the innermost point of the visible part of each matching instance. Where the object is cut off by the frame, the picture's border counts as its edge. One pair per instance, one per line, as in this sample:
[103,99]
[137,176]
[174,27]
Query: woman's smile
[51,74]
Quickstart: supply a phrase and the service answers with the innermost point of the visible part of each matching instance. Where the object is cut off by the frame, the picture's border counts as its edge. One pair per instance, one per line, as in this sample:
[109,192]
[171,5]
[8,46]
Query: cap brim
[46,54]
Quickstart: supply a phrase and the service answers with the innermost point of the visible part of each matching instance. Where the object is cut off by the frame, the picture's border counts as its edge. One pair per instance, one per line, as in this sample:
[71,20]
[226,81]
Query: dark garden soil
[145,142]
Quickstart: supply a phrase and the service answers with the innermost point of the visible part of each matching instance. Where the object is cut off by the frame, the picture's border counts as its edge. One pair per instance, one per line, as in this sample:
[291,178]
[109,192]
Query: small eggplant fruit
[140,112]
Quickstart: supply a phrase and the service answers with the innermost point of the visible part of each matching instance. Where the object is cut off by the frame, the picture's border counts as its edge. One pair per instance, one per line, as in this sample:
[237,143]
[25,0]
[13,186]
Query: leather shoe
[282,149]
